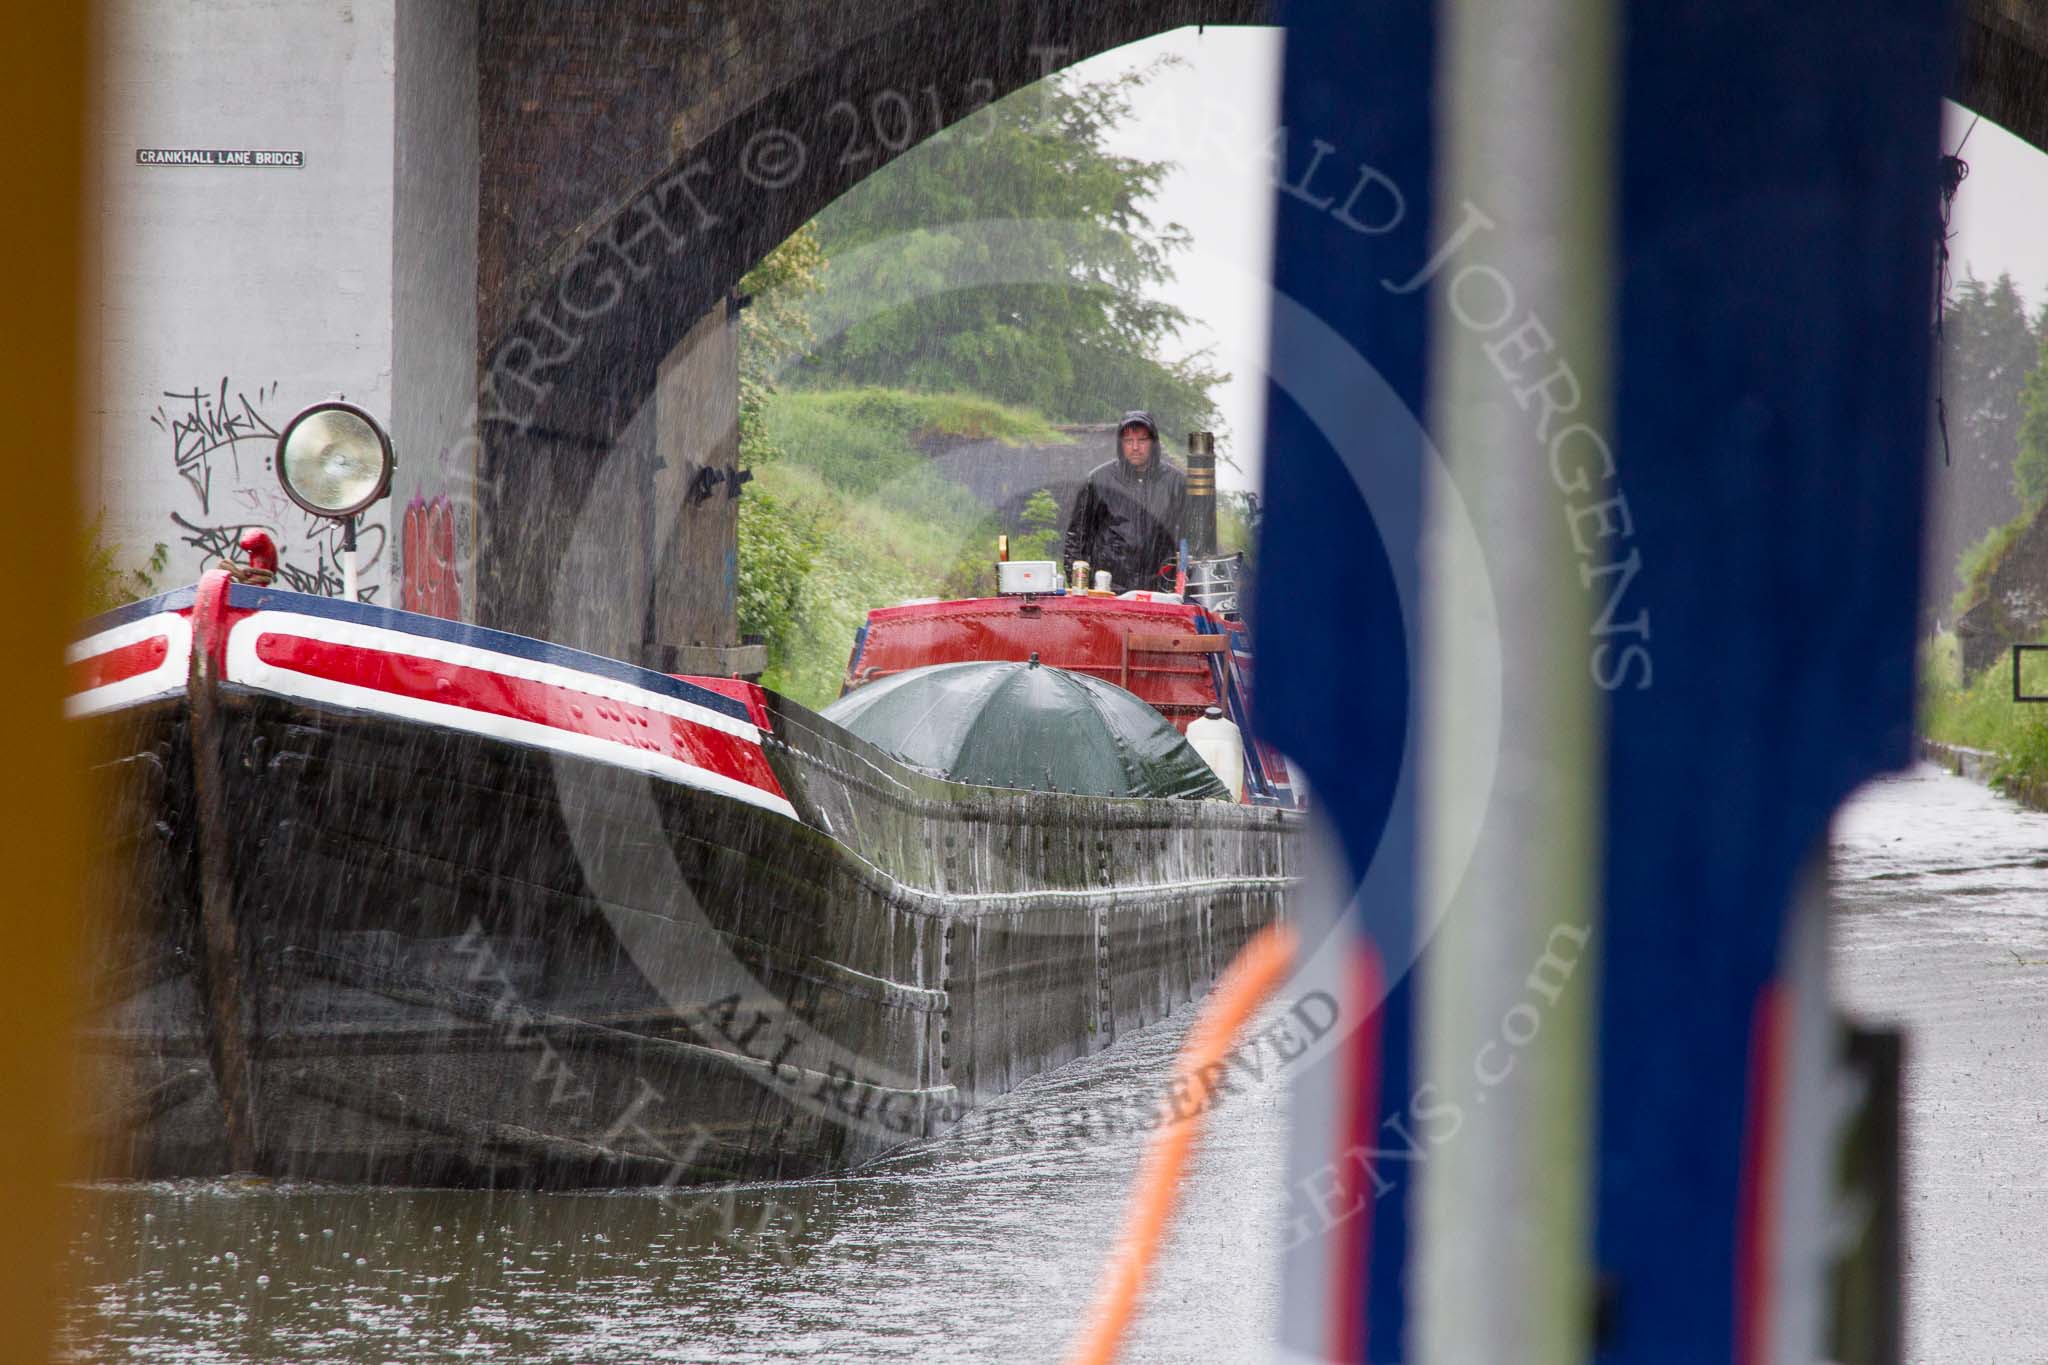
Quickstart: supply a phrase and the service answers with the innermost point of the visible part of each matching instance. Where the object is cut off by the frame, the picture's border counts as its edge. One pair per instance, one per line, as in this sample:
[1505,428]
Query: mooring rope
[248,573]
[1261,965]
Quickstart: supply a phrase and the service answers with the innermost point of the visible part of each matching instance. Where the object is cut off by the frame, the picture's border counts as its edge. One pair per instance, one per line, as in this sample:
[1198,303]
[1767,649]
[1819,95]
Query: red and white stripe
[134,662]
[524,701]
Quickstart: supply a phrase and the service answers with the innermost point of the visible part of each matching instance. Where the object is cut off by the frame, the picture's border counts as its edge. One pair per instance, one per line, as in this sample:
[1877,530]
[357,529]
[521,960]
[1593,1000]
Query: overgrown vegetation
[1983,715]
[1982,559]
[850,517]
[1040,538]
[103,583]
[1995,368]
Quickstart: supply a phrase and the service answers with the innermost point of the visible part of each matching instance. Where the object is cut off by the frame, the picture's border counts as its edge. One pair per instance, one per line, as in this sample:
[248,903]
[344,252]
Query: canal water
[986,1246]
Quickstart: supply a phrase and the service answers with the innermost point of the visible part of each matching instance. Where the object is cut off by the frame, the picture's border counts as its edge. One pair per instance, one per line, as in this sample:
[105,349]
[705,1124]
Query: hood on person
[1129,513]
[1137,440]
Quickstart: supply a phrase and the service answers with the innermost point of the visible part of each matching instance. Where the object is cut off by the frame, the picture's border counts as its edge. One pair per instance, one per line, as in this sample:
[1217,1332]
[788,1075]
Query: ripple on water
[981,1245]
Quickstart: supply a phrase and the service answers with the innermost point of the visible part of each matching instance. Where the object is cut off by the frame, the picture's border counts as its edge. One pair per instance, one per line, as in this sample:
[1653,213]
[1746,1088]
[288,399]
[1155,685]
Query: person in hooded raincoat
[1127,517]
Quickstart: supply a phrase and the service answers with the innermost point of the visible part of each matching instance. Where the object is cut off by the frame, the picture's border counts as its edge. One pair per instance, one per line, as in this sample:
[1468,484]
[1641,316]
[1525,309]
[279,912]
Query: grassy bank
[1983,715]
[847,515]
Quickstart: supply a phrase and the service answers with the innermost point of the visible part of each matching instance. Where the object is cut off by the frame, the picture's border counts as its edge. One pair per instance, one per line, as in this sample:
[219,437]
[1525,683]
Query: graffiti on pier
[310,563]
[207,426]
[223,439]
[429,564]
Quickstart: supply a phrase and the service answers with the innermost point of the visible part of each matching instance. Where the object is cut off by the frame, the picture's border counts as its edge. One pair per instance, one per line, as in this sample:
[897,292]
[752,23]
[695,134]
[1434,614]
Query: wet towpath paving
[1941,888]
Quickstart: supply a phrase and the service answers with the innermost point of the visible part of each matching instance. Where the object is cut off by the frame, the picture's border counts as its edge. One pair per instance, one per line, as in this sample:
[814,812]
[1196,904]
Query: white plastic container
[1221,746]
[1027,575]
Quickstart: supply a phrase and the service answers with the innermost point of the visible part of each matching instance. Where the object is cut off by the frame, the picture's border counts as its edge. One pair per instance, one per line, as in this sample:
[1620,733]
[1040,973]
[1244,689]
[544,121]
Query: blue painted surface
[1776,205]
[177,599]
[1334,664]
[247,598]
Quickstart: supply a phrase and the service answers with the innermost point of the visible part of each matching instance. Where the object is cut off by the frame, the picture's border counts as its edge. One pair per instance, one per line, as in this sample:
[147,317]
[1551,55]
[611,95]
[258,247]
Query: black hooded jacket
[1129,521]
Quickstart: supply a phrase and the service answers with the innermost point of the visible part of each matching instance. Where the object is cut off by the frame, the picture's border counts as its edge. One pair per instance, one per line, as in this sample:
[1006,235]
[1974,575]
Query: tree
[775,325]
[776,553]
[1041,528]
[2030,470]
[1987,350]
[1080,341]
[1987,347]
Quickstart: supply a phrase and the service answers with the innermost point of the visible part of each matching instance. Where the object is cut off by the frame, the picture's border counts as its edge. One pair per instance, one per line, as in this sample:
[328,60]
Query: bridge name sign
[167,156]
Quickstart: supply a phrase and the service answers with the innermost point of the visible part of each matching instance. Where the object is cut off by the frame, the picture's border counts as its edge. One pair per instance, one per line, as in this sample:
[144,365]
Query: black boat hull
[454,959]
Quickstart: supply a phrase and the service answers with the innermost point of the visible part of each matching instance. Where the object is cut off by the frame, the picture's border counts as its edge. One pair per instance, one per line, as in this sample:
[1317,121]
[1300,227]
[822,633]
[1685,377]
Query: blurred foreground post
[1620,628]
[42,97]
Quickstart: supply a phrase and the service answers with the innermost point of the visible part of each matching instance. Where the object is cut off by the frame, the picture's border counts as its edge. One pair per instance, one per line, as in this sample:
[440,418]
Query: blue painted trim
[1333,679]
[246,598]
[177,599]
[1775,198]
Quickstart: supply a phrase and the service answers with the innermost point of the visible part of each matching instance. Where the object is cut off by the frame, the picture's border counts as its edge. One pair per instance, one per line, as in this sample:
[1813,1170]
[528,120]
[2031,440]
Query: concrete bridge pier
[692,537]
[621,535]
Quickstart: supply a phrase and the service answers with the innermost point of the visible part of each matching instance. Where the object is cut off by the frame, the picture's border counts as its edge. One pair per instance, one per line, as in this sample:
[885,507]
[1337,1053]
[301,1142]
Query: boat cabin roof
[1174,655]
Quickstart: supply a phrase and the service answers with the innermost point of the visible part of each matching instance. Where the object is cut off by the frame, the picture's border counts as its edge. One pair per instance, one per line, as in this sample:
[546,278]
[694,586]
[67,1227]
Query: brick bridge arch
[632,171]
[636,160]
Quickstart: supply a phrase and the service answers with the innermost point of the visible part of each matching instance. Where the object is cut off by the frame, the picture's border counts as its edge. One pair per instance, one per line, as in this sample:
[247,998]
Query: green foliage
[864,553]
[852,518]
[104,584]
[2015,413]
[1026,191]
[776,550]
[1982,715]
[863,440]
[775,325]
[1982,559]
[776,555]
[1237,523]
[1988,346]
[1040,538]
[1041,511]
[844,514]
[2030,470]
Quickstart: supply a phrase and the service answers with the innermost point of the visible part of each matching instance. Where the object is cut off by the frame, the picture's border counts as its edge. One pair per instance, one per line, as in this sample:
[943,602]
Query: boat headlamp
[334,460]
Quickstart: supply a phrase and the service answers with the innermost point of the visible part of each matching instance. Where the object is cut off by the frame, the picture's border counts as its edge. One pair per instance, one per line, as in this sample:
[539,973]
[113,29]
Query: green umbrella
[1025,725]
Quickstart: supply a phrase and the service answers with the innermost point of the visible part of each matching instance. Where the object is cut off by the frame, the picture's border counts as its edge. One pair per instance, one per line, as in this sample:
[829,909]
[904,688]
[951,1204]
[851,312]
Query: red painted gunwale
[1081,634]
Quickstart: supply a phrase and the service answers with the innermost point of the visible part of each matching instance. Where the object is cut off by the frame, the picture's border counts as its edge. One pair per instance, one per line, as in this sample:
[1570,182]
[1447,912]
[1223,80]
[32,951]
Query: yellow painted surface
[43,99]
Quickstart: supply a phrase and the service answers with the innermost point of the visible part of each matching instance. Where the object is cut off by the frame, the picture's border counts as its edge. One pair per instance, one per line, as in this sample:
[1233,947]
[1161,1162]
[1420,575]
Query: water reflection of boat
[396,898]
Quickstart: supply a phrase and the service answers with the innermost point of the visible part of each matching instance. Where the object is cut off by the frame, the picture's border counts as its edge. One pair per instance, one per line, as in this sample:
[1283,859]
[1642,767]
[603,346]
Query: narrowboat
[384,897]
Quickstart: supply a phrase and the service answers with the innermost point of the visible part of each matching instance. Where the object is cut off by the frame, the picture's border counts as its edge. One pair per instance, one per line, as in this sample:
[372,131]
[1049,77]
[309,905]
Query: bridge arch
[584,298]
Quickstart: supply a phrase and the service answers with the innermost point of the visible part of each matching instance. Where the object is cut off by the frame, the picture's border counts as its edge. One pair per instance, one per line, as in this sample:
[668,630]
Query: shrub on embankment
[846,515]
[1979,713]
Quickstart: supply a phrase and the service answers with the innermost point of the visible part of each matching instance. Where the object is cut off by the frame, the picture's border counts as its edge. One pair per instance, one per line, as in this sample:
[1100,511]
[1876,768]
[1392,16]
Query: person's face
[1137,446]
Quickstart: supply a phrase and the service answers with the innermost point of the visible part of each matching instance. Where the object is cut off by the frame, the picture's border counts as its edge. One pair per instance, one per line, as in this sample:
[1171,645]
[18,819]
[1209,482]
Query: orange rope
[1259,969]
